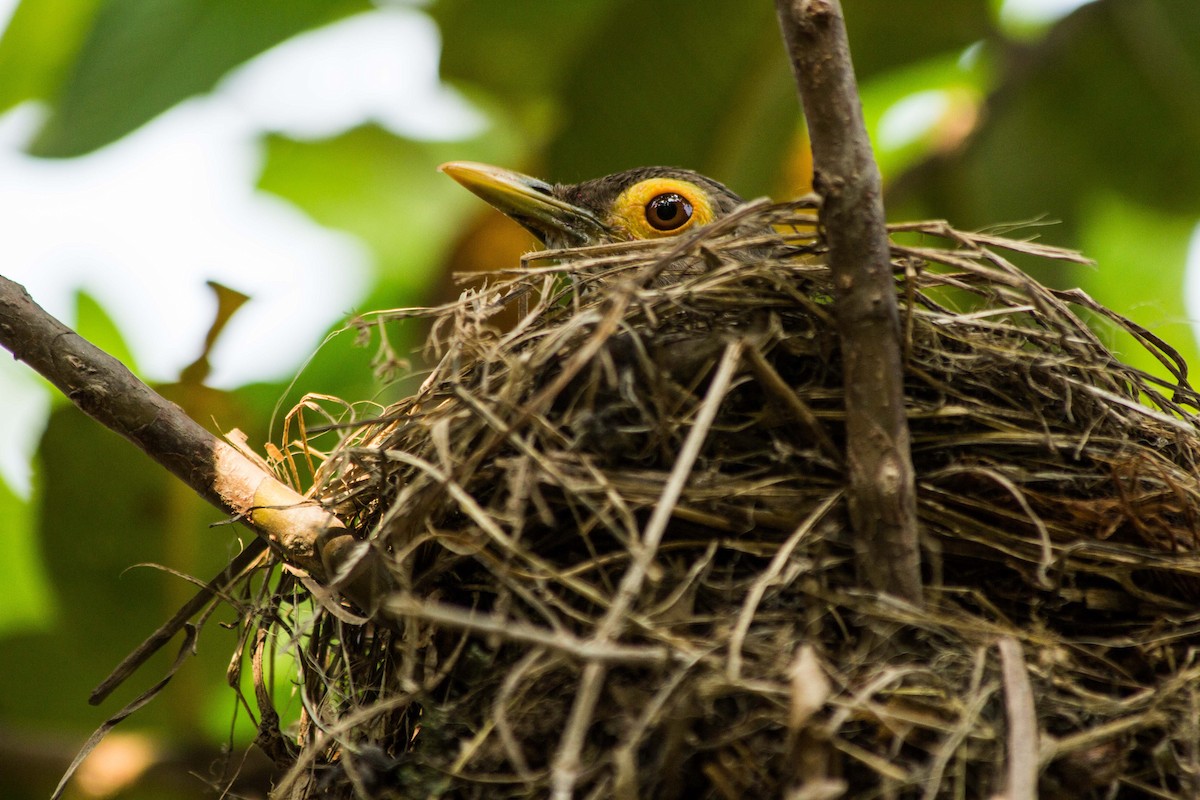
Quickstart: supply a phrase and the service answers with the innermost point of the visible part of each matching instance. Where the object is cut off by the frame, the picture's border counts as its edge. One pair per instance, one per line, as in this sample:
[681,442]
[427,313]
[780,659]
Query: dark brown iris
[668,211]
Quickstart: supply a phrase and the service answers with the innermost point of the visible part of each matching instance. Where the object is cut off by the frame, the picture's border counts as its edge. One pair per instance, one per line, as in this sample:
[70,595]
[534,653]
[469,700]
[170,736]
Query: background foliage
[1093,122]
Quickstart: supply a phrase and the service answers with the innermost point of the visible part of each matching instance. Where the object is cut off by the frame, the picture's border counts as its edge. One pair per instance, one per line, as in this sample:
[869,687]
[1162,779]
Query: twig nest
[625,570]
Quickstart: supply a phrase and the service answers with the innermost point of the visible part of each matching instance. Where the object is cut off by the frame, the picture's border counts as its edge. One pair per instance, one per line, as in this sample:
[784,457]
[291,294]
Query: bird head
[643,203]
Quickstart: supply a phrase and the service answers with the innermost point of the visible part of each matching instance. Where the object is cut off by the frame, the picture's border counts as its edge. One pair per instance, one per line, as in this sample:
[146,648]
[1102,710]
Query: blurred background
[287,149]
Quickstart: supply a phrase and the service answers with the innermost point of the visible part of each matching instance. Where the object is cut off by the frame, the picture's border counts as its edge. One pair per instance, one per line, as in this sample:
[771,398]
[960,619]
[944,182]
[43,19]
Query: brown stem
[303,533]
[882,495]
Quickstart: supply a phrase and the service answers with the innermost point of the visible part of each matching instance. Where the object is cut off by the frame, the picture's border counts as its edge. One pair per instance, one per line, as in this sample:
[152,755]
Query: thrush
[642,203]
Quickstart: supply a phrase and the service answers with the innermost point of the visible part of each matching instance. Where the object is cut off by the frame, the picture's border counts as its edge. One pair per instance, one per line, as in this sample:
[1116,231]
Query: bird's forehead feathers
[600,193]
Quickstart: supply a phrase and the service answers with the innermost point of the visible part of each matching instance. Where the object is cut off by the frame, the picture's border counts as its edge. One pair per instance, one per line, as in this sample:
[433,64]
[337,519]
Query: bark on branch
[303,533]
[882,496]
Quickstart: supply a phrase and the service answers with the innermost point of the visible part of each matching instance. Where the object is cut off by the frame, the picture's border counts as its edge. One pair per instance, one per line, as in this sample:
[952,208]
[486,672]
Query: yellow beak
[530,202]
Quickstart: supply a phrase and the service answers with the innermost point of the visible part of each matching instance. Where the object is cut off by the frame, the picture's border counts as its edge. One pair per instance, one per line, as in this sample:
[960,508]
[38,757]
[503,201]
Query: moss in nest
[623,563]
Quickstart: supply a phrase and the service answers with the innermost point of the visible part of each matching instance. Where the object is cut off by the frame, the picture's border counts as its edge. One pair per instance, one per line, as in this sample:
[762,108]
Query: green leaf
[104,507]
[228,302]
[39,45]
[386,191]
[718,94]
[961,88]
[143,56]
[886,36]
[516,50]
[1109,100]
[707,87]
[1141,276]
[93,323]
[104,511]
[27,596]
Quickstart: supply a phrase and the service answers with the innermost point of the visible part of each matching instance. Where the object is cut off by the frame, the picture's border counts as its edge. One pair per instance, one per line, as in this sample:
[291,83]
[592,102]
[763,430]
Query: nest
[623,565]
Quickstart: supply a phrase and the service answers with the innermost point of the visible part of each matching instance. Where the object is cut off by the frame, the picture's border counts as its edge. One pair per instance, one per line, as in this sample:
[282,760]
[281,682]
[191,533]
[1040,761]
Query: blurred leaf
[1109,100]
[1096,125]
[38,46]
[719,96]
[1023,23]
[384,189]
[228,303]
[102,509]
[708,87]
[140,58]
[535,39]
[93,323]
[1134,66]
[27,603]
[1142,257]
[104,512]
[387,191]
[887,36]
[959,87]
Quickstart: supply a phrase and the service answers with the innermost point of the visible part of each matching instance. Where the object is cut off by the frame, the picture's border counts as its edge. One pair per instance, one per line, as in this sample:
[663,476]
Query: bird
[635,204]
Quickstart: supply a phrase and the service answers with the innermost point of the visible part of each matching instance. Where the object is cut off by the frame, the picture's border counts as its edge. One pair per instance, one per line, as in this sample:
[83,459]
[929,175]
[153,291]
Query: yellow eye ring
[658,207]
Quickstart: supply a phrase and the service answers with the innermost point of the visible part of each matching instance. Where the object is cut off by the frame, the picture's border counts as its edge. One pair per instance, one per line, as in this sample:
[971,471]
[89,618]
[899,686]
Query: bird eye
[658,206]
[668,211]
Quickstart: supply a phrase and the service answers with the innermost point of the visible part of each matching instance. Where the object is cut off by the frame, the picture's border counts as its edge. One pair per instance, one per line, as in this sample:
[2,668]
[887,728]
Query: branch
[1023,733]
[882,495]
[301,532]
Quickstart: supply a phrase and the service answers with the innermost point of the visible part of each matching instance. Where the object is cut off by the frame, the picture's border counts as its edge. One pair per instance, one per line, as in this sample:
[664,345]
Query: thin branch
[402,605]
[303,533]
[1022,722]
[241,564]
[882,496]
